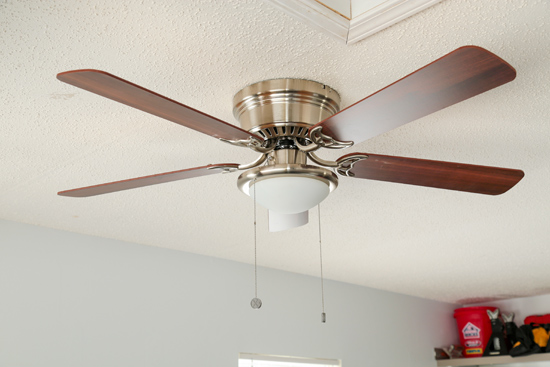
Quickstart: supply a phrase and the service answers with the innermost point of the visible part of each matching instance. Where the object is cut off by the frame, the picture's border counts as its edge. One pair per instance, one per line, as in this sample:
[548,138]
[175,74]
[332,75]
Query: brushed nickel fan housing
[284,107]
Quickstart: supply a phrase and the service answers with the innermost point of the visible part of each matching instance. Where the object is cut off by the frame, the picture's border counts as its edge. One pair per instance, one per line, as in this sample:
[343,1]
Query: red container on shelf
[474,328]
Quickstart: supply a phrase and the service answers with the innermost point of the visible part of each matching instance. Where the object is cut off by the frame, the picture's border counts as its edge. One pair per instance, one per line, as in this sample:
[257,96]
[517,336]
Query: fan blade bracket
[346,163]
[320,140]
[261,159]
[343,165]
[322,162]
[253,143]
[223,168]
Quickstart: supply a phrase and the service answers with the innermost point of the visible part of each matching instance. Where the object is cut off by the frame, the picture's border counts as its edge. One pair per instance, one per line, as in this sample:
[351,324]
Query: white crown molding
[383,16]
[316,15]
[359,27]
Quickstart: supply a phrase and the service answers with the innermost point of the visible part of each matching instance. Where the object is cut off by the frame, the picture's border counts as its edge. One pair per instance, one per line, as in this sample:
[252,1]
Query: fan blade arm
[133,183]
[437,174]
[455,77]
[133,95]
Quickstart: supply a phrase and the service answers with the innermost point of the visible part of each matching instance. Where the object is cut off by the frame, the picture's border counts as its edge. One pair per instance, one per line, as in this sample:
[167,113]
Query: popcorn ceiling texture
[430,243]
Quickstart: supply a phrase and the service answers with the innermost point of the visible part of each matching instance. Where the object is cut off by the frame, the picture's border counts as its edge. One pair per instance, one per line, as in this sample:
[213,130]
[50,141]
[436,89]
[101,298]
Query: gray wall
[75,300]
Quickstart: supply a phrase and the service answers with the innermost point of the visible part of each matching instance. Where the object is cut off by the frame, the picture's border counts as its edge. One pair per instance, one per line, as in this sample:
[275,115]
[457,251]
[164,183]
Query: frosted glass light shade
[281,222]
[289,195]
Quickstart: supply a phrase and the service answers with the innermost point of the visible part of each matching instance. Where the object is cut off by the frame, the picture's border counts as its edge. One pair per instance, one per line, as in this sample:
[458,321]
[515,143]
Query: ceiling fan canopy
[284,107]
[287,121]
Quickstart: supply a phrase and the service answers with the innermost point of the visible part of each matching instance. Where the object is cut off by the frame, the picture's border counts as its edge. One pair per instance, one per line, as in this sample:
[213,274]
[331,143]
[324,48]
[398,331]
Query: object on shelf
[541,330]
[496,345]
[526,343]
[540,336]
[511,329]
[453,351]
[537,319]
[531,341]
[440,354]
[533,336]
[474,328]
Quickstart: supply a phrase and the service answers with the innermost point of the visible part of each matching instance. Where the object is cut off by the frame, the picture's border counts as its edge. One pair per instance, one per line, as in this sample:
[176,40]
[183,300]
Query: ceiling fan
[287,120]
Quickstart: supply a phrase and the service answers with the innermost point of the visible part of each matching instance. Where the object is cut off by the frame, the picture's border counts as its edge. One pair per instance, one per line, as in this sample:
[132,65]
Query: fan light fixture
[286,185]
[290,195]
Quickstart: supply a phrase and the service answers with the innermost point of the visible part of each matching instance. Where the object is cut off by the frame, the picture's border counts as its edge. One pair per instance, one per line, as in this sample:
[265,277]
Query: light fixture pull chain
[256,302]
[255,246]
[323,315]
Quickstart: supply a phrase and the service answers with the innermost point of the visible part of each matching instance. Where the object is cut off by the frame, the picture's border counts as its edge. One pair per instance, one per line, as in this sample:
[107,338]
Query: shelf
[492,360]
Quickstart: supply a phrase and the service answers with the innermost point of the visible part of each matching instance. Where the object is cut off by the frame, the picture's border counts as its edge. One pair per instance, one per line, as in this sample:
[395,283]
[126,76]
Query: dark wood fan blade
[438,174]
[133,183]
[120,90]
[459,75]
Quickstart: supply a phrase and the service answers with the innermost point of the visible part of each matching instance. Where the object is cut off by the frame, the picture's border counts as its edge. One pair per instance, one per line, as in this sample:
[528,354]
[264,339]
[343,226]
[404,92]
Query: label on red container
[470,331]
[474,351]
[473,343]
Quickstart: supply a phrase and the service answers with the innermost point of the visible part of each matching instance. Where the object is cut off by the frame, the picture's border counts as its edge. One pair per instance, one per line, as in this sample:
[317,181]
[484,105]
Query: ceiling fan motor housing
[284,107]
[282,110]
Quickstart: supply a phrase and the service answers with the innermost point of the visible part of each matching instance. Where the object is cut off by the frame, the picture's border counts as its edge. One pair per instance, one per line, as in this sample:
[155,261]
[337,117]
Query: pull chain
[256,303]
[323,315]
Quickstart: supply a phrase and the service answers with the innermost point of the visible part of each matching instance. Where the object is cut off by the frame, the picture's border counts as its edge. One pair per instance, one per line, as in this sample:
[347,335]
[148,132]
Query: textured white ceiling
[431,243]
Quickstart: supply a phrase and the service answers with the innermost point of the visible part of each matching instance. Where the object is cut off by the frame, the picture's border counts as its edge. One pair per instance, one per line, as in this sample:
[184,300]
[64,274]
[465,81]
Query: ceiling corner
[387,13]
[317,15]
[351,21]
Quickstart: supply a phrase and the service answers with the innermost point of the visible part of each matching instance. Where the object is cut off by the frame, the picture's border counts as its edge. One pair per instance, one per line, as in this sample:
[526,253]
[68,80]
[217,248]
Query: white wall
[73,300]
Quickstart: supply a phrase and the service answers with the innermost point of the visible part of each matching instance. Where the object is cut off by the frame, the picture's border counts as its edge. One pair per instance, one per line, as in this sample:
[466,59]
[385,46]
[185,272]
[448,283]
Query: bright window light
[261,360]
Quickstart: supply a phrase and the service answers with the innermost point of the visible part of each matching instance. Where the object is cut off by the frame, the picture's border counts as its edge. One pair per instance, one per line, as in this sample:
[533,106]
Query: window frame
[300,361]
